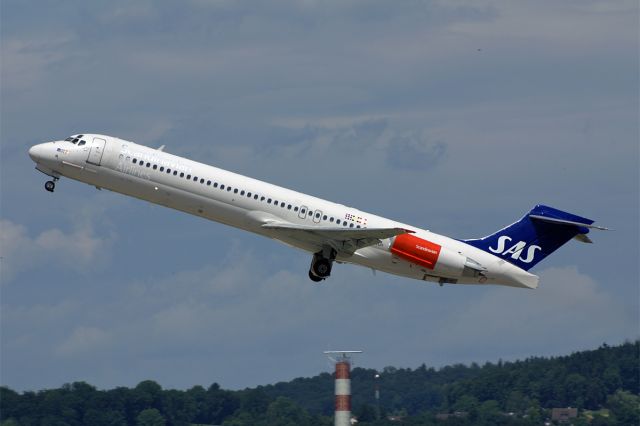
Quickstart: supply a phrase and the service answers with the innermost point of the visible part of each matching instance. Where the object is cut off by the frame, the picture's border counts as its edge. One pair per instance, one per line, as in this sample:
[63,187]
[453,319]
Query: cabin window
[338,221]
[324,217]
[221,186]
[208,183]
[269,201]
[181,174]
[135,161]
[235,191]
[162,169]
[330,219]
[195,178]
[215,184]
[229,189]
[168,171]
[248,195]
[295,209]
[148,164]
[262,198]
[255,197]
[317,215]
[155,167]
[289,207]
[175,172]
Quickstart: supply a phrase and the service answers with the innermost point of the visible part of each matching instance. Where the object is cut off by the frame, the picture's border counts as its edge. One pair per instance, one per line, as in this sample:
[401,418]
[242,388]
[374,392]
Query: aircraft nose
[36,152]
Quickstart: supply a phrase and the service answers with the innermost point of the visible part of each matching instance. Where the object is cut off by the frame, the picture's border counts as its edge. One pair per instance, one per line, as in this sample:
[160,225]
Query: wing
[344,240]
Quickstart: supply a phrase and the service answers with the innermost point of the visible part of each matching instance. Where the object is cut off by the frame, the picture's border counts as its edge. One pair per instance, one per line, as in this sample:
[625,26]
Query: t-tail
[538,234]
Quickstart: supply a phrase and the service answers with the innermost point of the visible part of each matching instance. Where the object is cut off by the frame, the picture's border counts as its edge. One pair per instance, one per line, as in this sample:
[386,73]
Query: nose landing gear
[50,185]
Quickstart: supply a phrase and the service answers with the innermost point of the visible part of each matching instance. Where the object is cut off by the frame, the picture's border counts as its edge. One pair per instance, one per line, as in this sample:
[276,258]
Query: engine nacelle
[441,260]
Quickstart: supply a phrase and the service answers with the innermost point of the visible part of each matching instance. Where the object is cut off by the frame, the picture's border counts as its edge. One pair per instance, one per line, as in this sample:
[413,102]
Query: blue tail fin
[538,234]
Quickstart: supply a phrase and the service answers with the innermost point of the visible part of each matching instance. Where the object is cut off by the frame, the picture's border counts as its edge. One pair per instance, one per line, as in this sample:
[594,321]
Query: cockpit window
[75,139]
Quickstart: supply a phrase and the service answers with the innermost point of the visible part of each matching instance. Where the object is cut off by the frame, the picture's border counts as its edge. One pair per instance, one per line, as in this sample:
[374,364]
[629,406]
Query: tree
[624,407]
[147,394]
[96,417]
[517,402]
[365,413]
[488,412]
[285,412]
[469,404]
[150,417]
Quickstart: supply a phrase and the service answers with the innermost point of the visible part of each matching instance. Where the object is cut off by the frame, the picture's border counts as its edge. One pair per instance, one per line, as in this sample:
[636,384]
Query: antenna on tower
[342,360]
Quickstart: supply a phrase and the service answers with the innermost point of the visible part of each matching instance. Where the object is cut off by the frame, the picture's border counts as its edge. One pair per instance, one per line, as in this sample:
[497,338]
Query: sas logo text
[515,250]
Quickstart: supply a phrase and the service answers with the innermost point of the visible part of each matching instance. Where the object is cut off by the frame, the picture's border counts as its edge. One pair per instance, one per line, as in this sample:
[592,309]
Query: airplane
[331,232]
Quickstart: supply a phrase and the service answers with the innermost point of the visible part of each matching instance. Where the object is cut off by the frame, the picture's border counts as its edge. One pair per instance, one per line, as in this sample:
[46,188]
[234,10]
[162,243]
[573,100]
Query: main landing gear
[321,264]
[50,185]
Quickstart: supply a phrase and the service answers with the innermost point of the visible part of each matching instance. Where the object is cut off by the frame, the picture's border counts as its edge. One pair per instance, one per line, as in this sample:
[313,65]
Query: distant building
[445,416]
[563,414]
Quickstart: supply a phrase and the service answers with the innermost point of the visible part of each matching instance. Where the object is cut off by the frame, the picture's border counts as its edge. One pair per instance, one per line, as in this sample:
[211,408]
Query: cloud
[79,250]
[415,152]
[570,310]
[83,341]
[239,319]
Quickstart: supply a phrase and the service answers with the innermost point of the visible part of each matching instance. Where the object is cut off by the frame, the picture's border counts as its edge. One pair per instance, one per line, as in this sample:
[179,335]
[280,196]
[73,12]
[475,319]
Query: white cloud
[569,310]
[246,309]
[79,250]
[83,341]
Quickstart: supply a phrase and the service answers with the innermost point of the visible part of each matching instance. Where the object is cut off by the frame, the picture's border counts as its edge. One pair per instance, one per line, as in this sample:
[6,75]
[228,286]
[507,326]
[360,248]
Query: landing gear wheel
[50,185]
[322,267]
[314,278]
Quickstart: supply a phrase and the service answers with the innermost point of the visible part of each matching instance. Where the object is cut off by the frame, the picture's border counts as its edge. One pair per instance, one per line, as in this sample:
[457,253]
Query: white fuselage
[242,202]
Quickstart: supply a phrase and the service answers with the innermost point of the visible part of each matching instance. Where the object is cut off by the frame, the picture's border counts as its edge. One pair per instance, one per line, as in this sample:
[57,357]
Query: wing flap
[345,241]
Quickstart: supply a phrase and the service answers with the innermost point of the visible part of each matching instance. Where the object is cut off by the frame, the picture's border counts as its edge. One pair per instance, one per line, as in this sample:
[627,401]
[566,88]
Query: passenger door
[96,151]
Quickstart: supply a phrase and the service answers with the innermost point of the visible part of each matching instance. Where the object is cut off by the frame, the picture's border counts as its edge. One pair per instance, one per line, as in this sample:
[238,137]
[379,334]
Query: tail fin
[538,234]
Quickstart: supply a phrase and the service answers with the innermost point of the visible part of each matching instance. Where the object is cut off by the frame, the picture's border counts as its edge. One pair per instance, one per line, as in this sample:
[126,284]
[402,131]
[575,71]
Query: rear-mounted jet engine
[442,262]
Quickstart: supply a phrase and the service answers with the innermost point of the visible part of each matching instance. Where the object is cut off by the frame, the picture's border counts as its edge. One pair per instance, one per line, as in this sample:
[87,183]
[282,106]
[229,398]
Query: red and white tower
[342,361]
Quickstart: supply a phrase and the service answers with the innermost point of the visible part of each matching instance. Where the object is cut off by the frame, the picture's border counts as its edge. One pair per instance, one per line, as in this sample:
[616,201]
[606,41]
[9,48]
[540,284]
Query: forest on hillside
[603,384]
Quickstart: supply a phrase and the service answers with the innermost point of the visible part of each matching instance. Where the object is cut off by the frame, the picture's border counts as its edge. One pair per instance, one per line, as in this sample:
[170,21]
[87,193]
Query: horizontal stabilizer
[567,222]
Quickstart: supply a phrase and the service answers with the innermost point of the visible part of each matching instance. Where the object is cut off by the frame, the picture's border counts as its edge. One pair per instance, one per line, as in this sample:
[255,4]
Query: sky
[456,117]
